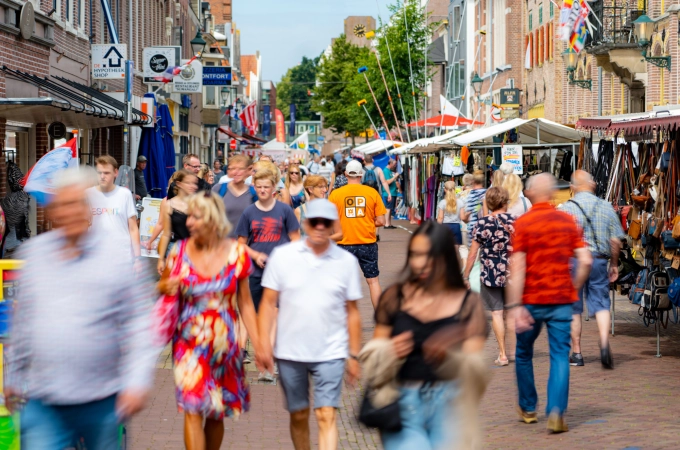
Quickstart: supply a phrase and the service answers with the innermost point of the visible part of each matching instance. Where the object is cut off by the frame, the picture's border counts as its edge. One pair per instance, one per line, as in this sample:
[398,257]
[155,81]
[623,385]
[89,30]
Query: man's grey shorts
[595,289]
[327,377]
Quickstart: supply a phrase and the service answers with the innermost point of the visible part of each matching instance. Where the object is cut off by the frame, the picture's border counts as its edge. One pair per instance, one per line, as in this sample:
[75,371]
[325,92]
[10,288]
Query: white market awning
[531,131]
[424,142]
[376,146]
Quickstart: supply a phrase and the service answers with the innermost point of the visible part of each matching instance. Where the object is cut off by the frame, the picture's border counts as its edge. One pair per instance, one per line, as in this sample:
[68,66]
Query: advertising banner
[513,155]
[147,223]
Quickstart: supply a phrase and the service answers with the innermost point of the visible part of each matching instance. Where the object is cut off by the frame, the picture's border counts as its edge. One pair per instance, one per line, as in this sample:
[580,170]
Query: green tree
[295,87]
[335,95]
[408,35]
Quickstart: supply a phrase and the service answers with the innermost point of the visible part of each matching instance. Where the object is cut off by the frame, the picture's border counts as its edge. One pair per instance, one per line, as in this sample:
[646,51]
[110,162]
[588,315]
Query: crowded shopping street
[302,224]
[607,410]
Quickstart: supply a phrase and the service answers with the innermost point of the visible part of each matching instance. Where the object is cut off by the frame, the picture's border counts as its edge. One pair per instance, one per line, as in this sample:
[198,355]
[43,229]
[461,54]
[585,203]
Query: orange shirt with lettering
[358,206]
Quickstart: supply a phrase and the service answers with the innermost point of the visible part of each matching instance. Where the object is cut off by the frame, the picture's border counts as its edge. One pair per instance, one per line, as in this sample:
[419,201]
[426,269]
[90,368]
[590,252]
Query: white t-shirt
[454,217]
[110,213]
[313,295]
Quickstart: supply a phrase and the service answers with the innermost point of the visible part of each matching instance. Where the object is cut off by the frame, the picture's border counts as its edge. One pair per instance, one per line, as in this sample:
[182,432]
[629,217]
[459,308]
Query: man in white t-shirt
[113,209]
[317,285]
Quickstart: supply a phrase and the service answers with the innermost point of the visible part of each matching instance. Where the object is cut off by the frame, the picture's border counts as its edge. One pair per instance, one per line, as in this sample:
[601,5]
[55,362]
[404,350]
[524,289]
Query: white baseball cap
[354,169]
[321,209]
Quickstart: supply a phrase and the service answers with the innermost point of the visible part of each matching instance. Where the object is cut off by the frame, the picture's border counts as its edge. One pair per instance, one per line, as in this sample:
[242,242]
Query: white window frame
[499,27]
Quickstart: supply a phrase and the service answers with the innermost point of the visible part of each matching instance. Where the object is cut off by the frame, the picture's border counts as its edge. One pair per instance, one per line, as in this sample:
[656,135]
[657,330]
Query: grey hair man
[80,351]
[603,234]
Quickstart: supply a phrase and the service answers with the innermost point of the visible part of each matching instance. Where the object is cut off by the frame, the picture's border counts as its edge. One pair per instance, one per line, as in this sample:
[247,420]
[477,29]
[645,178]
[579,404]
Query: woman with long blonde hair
[448,211]
[518,203]
[211,281]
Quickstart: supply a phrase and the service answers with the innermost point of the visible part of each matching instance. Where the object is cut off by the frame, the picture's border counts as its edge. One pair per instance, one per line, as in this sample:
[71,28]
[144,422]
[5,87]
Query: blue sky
[286,30]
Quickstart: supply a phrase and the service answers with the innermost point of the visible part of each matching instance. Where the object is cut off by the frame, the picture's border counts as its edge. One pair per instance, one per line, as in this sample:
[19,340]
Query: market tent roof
[632,124]
[445,121]
[528,132]
[376,146]
[424,142]
[275,145]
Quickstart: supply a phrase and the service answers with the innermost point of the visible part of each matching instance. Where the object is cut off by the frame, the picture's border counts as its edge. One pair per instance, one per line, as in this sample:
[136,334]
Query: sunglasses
[318,220]
[295,173]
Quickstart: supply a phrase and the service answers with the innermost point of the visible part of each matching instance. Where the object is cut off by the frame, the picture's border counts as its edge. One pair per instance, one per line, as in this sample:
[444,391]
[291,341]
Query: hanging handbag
[387,418]
[665,158]
[165,314]
[668,241]
[635,229]
[676,228]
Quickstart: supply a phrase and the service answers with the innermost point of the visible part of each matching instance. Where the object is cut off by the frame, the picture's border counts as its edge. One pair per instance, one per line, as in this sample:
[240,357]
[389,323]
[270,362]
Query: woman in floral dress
[491,236]
[212,283]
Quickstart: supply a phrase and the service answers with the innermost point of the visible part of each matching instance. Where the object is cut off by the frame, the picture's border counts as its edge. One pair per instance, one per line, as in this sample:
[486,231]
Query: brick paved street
[628,408]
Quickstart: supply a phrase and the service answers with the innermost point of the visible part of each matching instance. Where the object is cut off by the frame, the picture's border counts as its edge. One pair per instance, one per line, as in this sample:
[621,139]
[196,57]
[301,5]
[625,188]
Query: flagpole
[387,90]
[396,83]
[362,103]
[363,70]
[410,68]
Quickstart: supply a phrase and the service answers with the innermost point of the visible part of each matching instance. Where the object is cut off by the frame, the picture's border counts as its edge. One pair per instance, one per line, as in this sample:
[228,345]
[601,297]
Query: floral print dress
[209,374]
[493,233]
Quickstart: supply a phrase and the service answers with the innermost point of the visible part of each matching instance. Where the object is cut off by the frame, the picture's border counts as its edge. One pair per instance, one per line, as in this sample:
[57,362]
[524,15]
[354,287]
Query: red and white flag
[249,118]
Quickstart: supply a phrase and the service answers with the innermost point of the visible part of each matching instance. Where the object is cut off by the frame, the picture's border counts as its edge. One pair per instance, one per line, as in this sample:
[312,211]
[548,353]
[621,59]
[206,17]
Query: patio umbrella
[166,124]
[151,146]
[445,120]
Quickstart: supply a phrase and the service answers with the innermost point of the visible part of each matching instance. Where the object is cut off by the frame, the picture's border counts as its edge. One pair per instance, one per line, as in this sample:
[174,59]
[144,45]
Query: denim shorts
[367,254]
[595,289]
[427,417]
[327,378]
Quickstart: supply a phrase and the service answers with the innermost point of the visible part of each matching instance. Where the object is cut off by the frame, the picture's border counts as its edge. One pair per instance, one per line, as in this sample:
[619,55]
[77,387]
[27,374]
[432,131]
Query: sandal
[501,362]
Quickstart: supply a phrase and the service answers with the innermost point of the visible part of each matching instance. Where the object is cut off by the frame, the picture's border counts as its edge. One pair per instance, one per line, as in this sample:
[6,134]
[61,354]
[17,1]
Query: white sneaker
[276,369]
[265,376]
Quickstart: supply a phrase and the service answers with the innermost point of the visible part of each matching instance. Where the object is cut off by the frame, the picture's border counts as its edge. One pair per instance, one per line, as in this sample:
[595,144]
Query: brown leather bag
[635,229]
[676,227]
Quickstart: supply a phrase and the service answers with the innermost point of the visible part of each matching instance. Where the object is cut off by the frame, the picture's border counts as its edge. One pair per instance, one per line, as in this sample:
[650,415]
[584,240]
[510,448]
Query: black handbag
[387,418]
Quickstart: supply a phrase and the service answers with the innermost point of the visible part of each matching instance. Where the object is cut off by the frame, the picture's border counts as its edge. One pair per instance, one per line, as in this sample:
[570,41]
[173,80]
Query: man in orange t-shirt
[361,212]
[541,290]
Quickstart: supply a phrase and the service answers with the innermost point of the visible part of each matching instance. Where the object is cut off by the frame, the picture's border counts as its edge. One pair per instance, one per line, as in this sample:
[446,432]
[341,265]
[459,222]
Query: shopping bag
[165,314]
[475,278]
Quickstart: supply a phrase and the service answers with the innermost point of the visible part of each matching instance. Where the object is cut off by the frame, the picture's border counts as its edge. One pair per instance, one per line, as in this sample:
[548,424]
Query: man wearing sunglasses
[191,163]
[318,331]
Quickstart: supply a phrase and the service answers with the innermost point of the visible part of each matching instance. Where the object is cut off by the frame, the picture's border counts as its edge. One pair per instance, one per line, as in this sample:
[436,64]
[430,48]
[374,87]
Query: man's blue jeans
[557,319]
[56,427]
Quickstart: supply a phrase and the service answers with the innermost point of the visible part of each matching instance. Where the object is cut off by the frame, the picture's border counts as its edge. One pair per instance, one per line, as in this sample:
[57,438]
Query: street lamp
[476,83]
[224,93]
[570,58]
[644,29]
[198,43]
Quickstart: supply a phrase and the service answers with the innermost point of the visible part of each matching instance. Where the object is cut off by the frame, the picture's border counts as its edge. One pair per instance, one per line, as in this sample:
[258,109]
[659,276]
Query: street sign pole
[126,118]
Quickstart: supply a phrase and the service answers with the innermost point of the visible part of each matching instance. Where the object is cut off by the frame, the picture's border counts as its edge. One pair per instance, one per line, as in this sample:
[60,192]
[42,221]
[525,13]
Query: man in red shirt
[541,291]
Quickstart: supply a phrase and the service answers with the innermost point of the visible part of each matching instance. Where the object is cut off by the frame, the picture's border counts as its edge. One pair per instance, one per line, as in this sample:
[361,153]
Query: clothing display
[15,205]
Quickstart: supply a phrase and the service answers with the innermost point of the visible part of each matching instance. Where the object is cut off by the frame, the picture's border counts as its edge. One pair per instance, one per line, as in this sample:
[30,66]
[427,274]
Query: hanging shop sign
[156,60]
[513,155]
[190,79]
[510,114]
[56,130]
[217,76]
[108,61]
[510,98]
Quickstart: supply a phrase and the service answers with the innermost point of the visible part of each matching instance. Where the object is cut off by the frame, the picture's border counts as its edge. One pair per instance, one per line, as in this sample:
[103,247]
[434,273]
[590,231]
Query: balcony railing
[617,18]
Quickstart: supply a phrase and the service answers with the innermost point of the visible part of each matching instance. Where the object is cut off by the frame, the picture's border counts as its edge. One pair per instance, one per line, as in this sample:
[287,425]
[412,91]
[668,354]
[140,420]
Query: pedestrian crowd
[270,258]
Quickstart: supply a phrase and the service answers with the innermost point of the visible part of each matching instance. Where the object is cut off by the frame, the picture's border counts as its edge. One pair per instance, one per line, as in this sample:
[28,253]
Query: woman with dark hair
[426,314]
[492,236]
[339,179]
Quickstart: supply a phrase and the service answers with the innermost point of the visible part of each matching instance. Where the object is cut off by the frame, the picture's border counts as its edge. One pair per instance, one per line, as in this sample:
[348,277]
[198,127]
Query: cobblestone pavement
[632,407]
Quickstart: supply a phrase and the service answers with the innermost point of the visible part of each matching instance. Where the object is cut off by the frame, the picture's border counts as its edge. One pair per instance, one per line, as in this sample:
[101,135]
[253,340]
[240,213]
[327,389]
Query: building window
[210,95]
[456,23]
[184,119]
[69,10]
[456,86]
[81,14]
[552,11]
[546,43]
[531,21]
[540,14]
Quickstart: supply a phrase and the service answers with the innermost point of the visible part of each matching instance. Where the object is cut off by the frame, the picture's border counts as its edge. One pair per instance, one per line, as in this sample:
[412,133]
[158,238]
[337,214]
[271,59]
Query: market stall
[634,160]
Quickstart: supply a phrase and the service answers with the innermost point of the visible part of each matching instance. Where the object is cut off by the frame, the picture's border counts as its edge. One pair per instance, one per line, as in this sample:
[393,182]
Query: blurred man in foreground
[80,348]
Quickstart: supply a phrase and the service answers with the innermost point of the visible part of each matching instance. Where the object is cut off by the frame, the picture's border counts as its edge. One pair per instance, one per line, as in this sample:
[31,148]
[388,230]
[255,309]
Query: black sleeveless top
[178,222]
[415,367]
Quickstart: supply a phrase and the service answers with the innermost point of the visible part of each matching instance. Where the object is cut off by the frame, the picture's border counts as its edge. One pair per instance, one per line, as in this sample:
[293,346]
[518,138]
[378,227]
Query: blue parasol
[166,124]
[151,146]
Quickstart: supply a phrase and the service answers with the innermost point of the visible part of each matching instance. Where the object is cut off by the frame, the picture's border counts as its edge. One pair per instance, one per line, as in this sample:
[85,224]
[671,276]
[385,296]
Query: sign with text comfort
[216,76]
